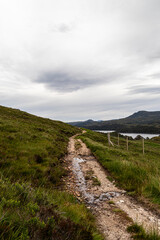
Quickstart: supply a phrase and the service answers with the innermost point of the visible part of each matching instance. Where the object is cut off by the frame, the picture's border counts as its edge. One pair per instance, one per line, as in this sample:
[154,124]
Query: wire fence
[110,143]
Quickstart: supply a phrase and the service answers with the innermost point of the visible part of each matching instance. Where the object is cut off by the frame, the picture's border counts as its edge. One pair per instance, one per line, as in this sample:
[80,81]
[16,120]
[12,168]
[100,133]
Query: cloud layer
[73,60]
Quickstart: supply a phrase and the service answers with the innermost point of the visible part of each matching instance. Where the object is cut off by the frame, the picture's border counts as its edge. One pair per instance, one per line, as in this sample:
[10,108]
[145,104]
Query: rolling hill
[33,202]
[139,122]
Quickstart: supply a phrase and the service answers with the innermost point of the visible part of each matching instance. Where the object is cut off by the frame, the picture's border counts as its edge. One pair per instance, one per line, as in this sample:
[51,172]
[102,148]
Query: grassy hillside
[137,173]
[140,122]
[31,167]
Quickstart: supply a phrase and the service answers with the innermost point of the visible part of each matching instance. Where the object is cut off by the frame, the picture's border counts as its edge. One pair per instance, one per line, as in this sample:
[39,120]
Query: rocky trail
[113,208]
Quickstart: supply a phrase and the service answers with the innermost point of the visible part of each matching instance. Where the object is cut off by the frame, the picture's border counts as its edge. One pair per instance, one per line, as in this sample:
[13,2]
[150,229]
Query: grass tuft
[138,232]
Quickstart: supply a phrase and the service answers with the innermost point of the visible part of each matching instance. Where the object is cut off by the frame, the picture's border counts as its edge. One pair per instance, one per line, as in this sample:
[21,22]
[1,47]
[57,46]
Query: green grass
[95,181]
[77,145]
[138,232]
[90,176]
[32,204]
[35,213]
[137,173]
[31,148]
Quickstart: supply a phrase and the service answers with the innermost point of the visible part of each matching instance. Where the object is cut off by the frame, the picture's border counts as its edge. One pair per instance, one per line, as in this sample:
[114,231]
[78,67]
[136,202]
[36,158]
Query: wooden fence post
[109,140]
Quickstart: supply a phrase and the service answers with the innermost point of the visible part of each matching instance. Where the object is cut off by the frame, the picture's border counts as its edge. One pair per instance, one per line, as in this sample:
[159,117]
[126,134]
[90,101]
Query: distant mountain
[139,122]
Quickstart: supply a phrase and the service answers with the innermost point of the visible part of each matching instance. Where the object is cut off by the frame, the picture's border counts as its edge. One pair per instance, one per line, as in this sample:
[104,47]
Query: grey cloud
[155,76]
[69,82]
[145,89]
[64,82]
[155,56]
[62,28]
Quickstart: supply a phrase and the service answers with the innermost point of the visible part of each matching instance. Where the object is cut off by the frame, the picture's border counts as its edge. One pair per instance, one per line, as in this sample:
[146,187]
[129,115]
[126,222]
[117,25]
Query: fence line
[127,143]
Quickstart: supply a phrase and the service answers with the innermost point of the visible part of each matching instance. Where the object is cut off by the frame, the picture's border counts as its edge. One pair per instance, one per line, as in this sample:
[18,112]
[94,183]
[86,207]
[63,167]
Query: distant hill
[139,122]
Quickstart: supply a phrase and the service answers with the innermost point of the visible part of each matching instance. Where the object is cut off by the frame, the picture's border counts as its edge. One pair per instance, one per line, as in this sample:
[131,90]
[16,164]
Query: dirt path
[114,210]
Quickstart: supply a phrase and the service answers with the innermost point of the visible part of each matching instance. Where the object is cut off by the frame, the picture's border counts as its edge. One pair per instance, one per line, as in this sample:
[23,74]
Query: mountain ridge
[141,122]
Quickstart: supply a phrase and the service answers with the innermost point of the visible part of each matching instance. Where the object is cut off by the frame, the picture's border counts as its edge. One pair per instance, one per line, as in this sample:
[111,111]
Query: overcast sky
[80,59]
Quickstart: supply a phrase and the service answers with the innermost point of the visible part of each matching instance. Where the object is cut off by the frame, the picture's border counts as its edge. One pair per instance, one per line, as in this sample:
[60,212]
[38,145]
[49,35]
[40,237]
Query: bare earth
[113,209]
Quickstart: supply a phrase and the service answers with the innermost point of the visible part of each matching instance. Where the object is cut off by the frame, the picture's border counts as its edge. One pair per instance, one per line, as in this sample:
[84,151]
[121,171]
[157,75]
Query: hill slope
[140,122]
[32,203]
